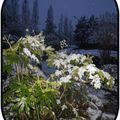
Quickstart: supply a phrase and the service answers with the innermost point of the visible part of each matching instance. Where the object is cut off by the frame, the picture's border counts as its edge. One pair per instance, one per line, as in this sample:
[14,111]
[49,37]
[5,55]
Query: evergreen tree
[35,16]
[50,21]
[25,15]
[15,11]
[60,26]
[93,24]
[65,27]
[82,31]
[6,14]
[70,31]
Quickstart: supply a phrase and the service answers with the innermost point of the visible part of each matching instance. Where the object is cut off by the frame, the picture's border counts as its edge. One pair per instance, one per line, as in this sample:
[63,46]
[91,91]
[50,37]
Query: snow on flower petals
[58,63]
[64,107]
[58,73]
[27,52]
[73,57]
[81,72]
[107,75]
[34,58]
[65,79]
[96,82]
[91,68]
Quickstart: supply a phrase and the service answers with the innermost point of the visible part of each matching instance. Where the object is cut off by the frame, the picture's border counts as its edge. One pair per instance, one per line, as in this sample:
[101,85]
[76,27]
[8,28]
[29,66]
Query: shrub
[32,95]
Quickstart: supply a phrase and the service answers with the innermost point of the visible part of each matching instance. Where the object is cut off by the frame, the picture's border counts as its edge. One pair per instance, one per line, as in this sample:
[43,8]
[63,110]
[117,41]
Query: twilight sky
[71,8]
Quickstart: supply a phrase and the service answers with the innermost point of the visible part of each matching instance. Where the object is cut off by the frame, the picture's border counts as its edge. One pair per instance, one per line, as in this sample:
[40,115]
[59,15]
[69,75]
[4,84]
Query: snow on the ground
[94,52]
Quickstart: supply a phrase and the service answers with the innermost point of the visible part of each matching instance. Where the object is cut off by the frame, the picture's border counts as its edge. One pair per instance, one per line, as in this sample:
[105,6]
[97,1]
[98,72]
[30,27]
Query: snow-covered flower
[106,74]
[30,66]
[63,44]
[65,79]
[59,62]
[34,58]
[62,55]
[83,58]
[58,101]
[42,47]
[75,112]
[96,82]
[91,68]
[70,68]
[81,72]
[27,52]
[73,57]
[27,30]
[58,73]
[64,107]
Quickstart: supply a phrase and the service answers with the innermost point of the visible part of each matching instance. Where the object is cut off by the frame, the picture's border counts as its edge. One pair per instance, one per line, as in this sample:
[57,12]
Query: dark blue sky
[72,8]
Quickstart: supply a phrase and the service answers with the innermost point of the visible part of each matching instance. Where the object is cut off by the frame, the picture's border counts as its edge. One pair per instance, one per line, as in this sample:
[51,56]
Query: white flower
[70,68]
[34,58]
[42,47]
[107,75]
[27,30]
[27,52]
[83,58]
[96,82]
[91,68]
[73,57]
[64,107]
[58,101]
[62,55]
[75,112]
[59,62]
[65,79]
[30,66]
[81,72]
[58,73]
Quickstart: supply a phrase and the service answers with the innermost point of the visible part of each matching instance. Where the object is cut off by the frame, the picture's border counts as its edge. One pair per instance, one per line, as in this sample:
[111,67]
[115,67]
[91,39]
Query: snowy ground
[94,52]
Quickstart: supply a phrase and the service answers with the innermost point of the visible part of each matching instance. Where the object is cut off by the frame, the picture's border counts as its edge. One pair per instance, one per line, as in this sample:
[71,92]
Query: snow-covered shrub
[32,95]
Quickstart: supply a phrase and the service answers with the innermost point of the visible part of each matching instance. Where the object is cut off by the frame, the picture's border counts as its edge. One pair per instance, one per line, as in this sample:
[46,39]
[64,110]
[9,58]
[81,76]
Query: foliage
[32,95]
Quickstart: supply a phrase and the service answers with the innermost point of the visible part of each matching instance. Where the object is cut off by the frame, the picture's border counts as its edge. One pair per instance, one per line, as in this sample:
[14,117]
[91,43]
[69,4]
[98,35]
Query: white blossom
[75,112]
[34,58]
[30,66]
[58,101]
[27,52]
[91,68]
[83,58]
[96,82]
[64,107]
[73,57]
[59,62]
[81,72]
[62,55]
[58,73]
[65,79]
[107,75]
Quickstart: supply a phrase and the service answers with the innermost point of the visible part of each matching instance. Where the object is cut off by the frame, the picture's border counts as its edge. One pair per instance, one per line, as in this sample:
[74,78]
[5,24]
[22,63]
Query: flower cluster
[32,56]
[79,68]
[63,44]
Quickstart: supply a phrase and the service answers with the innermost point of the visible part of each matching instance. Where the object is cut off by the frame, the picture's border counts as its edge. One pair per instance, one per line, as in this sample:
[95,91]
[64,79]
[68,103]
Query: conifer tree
[50,21]
[25,14]
[60,26]
[35,16]
[65,27]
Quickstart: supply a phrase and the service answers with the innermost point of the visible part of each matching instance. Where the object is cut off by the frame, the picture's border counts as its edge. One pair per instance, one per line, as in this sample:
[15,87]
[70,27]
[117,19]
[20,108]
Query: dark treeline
[92,32]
